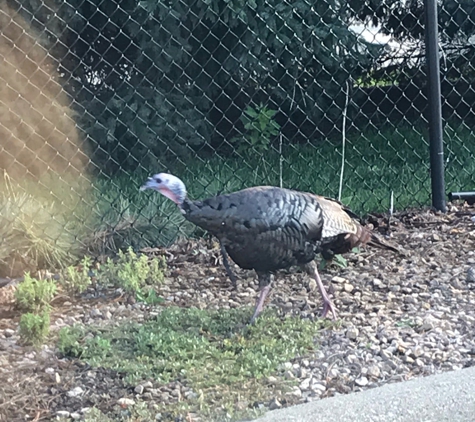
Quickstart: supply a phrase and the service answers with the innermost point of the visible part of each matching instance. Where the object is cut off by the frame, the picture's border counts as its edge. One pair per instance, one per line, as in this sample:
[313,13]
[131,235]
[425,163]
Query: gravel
[400,317]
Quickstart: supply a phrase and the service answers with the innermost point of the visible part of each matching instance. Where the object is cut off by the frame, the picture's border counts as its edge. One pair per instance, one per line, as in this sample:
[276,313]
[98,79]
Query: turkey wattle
[267,228]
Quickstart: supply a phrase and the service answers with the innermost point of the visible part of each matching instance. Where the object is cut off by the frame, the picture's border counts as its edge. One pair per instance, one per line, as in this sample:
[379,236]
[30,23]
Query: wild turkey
[267,228]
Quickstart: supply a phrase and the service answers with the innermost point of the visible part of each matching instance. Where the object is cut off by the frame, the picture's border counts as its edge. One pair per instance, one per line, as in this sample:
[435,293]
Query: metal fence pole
[435,107]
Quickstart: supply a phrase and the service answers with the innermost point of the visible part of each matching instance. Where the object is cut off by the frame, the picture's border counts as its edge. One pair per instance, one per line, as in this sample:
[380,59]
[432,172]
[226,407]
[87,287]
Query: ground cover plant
[214,352]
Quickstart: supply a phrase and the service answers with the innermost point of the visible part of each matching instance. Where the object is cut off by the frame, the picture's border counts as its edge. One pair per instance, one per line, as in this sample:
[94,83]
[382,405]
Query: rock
[352,333]
[76,391]
[318,387]
[49,371]
[374,371]
[76,416]
[285,366]
[296,392]
[190,395]
[8,332]
[305,384]
[125,402]
[417,351]
[95,313]
[470,275]
[274,404]
[289,375]
[147,385]
[312,285]
[63,414]
[347,287]
[139,389]
[337,279]
[271,379]
[362,381]
[429,323]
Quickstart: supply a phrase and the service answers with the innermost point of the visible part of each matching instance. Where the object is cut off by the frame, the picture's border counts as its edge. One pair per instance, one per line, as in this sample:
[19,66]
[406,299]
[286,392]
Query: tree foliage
[161,76]
[405,21]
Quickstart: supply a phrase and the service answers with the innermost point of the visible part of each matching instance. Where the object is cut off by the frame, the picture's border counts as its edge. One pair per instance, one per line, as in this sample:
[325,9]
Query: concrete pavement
[437,398]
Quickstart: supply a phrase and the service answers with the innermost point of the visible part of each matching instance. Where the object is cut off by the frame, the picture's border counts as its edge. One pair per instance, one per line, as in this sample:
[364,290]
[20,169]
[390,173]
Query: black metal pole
[435,107]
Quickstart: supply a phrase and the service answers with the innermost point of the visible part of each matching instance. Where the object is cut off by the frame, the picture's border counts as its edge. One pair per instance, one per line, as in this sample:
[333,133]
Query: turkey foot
[327,303]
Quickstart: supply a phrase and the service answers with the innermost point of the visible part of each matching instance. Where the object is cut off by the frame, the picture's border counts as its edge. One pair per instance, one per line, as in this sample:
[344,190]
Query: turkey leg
[265,284]
[327,303]
[230,273]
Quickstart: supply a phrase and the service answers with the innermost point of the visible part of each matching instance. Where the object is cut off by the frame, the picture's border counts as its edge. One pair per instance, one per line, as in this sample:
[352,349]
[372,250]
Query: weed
[260,127]
[74,280]
[34,328]
[132,272]
[35,295]
[406,323]
[149,296]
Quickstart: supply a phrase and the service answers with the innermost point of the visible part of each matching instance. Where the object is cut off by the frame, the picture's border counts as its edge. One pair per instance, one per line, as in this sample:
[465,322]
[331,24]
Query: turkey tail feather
[380,244]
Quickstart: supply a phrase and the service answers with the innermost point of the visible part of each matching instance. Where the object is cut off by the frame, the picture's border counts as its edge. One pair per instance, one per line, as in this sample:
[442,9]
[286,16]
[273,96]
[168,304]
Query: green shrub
[132,272]
[35,295]
[74,280]
[34,328]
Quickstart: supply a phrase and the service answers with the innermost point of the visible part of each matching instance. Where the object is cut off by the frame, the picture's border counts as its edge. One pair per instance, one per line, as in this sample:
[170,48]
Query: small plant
[133,272]
[260,128]
[95,415]
[221,358]
[34,328]
[149,297]
[35,295]
[71,343]
[74,280]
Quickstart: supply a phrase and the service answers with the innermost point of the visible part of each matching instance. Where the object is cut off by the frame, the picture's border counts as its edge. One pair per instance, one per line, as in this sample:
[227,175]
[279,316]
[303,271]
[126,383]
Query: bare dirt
[400,317]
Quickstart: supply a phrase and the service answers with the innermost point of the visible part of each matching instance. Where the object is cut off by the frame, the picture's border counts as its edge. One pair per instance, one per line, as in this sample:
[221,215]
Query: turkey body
[264,228]
[268,228]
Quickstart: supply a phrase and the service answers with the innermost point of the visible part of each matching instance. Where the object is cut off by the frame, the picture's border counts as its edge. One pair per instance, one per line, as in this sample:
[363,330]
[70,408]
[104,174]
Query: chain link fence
[324,96]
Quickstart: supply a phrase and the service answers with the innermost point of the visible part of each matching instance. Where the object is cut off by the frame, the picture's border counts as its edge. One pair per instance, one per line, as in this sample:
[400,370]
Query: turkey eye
[158,180]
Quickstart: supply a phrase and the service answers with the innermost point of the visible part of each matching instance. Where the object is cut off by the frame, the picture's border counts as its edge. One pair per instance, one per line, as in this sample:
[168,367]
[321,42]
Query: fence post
[435,107]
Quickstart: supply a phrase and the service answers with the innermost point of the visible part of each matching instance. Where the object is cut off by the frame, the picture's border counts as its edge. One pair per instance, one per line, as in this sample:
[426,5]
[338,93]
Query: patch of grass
[35,295]
[133,272]
[219,356]
[34,328]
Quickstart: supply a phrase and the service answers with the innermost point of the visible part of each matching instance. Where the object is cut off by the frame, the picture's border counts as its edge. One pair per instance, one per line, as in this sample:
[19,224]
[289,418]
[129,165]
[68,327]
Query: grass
[54,223]
[214,352]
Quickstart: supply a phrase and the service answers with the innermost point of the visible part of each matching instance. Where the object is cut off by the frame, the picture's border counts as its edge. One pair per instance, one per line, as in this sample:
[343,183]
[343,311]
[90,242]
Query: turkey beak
[150,184]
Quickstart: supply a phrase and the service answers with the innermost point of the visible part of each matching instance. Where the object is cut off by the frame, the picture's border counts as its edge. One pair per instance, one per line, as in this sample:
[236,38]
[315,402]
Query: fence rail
[325,96]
